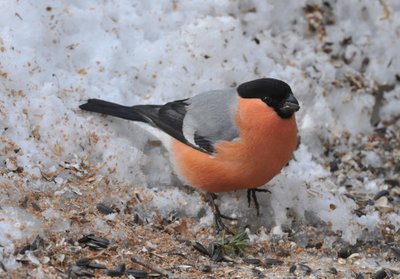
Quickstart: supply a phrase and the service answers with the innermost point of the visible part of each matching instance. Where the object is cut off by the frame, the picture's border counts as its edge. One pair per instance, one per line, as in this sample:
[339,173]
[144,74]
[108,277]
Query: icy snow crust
[56,54]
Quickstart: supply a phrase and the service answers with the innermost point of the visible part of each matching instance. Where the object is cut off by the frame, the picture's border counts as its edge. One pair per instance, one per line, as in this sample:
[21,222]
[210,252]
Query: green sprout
[235,245]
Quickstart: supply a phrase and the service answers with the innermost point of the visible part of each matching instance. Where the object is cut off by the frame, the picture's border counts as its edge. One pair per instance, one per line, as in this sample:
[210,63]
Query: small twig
[5,269]
[386,10]
[58,82]
[45,176]
[19,16]
[151,266]
[379,91]
[154,254]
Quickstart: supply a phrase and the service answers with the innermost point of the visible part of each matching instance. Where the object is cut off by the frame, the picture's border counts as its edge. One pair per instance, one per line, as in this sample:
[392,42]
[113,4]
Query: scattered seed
[272,262]
[392,182]
[257,273]
[369,202]
[184,266]
[346,41]
[94,241]
[77,271]
[380,274]
[396,252]
[121,267]
[137,220]
[114,273]
[305,268]
[359,212]
[391,226]
[82,262]
[199,247]
[60,257]
[218,255]
[216,252]
[354,255]
[313,219]
[183,255]
[35,206]
[334,165]
[333,270]
[205,268]
[381,194]
[252,261]
[281,252]
[293,268]
[137,273]
[350,196]
[36,244]
[104,209]
[24,249]
[24,202]
[211,248]
[96,266]
[344,252]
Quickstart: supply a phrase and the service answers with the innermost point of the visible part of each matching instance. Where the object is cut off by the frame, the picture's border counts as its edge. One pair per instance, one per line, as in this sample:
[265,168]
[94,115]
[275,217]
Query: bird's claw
[251,194]
[220,225]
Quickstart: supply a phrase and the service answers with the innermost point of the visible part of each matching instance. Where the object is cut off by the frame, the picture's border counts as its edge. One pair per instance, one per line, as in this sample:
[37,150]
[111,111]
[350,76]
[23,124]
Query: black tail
[113,109]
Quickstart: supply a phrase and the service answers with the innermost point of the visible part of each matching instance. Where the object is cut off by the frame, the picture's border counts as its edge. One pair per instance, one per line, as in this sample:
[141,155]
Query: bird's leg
[251,194]
[220,225]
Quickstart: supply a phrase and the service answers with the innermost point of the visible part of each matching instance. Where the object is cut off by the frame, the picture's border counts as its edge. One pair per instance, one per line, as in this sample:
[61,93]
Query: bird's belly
[235,166]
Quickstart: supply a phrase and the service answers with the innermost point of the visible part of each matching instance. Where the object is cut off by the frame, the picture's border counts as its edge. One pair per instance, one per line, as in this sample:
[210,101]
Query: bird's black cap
[264,87]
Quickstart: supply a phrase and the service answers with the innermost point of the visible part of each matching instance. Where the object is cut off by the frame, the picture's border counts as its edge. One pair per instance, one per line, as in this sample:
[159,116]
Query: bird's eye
[267,100]
[271,102]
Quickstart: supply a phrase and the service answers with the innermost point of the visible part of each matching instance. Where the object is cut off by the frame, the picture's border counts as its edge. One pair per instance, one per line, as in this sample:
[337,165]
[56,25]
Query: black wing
[168,118]
[204,143]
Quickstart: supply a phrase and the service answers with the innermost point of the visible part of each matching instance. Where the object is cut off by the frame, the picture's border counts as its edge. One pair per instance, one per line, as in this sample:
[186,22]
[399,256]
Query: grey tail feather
[125,112]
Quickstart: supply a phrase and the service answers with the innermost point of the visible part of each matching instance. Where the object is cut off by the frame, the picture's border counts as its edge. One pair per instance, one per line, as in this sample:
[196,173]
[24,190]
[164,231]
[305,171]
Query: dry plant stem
[152,267]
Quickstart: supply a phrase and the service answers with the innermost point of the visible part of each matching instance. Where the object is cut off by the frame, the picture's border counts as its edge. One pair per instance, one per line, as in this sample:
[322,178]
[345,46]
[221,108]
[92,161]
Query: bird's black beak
[290,105]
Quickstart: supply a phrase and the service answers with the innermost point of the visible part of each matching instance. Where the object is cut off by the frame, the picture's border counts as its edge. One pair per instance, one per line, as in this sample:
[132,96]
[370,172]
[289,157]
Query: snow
[56,54]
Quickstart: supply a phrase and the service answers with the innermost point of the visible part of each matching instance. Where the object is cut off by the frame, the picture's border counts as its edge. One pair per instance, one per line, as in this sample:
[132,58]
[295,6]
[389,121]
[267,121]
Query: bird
[223,140]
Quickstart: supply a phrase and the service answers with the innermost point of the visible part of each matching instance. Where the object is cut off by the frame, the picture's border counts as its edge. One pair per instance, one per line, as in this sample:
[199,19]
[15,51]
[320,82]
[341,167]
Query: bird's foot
[220,225]
[251,194]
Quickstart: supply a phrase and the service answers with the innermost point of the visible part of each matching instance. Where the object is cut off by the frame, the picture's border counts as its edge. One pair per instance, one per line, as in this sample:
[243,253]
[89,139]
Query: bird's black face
[275,93]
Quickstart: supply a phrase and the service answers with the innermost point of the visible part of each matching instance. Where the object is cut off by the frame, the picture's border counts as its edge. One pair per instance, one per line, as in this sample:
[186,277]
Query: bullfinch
[223,140]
